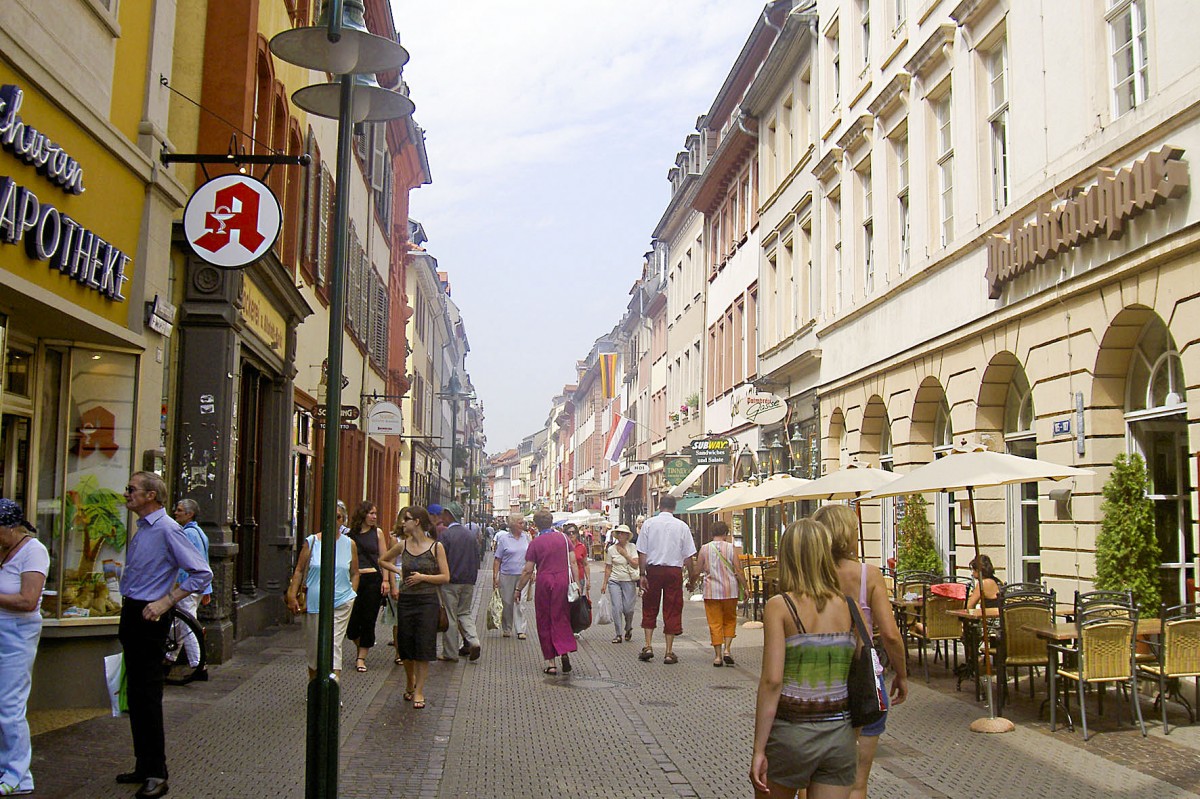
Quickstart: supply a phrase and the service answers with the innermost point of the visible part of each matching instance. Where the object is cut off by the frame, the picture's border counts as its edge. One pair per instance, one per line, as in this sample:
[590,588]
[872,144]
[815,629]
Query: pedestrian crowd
[424,572]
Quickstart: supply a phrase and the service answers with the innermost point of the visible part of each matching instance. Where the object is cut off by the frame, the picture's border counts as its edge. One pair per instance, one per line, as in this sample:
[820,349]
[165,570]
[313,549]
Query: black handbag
[581,614]
[866,705]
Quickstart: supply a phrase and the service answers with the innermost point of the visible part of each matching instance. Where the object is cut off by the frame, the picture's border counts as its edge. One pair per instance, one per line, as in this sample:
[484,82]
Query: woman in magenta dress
[550,554]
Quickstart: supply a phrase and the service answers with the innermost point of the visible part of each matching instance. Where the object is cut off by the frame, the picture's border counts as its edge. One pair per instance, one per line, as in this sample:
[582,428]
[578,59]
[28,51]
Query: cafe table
[1060,633]
[904,610]
[972,638]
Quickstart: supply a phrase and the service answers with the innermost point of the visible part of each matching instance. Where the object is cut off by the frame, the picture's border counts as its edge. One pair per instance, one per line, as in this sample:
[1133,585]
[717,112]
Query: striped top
[815,669]
[716,561]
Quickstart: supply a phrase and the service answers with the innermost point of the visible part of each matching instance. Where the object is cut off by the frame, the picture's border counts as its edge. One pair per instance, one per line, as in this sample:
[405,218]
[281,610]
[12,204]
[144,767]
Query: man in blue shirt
[155,554]
[462,555]
[186,511]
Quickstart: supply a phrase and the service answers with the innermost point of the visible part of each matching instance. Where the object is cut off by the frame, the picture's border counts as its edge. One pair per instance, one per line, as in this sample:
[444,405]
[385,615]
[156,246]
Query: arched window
[943,430]
[1156,417]
[1018,407]
[1155,381]
[1024,524]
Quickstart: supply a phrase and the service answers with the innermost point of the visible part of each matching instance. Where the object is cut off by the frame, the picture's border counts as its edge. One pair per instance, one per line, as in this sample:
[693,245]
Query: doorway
[252,392]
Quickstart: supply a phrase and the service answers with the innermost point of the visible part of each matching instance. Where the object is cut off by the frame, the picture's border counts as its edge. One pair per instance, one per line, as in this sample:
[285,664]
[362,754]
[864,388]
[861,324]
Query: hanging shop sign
[759,408]
[639,467]
[160,315]
[676,470]
[49,234]
[1102,209]
[349,413]
[232,220]
[384,419]
[710,451]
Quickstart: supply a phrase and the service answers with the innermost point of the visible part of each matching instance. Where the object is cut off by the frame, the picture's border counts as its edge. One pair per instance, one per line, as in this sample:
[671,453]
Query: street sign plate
[349,413]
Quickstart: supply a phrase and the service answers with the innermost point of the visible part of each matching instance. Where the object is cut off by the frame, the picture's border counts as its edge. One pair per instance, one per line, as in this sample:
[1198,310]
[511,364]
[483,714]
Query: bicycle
[184,630]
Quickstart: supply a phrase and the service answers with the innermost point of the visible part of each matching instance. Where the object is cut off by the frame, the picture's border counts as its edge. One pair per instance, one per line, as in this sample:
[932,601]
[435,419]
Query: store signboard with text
[711,451]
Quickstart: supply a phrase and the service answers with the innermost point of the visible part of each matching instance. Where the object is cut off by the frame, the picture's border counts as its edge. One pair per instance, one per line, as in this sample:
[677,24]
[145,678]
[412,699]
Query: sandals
[647,654]
[617,640]
[551,670]
[13,790]
[729,661]
[360,665]
[717,664]
[566,661]
[628,634]
[408,696]
[521,636]
[419,704]
[670,659]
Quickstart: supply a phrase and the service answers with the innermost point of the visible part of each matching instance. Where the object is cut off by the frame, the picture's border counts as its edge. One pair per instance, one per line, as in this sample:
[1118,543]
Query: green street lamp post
[341,45]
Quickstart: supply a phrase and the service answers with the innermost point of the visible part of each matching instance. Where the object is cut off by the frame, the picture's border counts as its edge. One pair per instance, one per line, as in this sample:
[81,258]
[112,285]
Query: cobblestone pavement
[616,727]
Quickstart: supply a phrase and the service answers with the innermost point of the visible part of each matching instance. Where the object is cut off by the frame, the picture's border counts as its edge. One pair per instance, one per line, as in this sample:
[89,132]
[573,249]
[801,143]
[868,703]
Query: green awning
[684,504]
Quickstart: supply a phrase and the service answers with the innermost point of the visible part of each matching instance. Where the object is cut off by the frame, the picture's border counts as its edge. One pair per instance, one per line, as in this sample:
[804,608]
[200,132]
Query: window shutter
[353,283]
[381,311]
[324,243]
[360,141]
[378,155]
[312,201]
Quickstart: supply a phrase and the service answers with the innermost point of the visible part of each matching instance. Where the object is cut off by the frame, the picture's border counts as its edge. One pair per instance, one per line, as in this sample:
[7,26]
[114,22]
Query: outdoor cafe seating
[937,625]
[1176,654]
[1104,653]
[1023,606]
[762,578]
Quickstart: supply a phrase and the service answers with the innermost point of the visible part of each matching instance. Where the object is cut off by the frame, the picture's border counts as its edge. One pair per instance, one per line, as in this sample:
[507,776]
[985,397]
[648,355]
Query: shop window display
[84,459]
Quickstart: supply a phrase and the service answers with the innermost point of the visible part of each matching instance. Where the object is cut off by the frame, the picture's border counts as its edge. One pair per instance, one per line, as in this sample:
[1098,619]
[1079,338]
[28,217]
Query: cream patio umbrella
[776,487]
[851,482]
[719,500]
[966,468]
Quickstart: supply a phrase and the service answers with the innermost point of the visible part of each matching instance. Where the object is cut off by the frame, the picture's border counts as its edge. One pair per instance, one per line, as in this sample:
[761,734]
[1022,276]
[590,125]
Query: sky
[550,128]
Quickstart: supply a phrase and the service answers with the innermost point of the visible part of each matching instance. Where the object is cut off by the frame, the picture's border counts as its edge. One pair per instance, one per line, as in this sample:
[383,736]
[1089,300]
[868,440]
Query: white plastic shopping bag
[604,610]
[114,675]
[495,613]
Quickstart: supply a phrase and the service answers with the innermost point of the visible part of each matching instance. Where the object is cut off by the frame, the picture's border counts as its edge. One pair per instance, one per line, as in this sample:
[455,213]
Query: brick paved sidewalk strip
[616,727]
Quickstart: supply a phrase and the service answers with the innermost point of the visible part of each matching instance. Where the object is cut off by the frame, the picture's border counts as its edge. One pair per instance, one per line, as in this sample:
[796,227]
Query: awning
[684,504]
[693,476]
[624,486]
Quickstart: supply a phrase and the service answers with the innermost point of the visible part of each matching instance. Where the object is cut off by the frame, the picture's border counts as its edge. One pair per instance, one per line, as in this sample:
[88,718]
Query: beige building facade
[1009,258]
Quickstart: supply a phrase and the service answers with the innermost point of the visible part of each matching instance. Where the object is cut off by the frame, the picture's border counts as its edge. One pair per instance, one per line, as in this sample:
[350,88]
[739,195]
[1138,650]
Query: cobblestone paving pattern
[616,727]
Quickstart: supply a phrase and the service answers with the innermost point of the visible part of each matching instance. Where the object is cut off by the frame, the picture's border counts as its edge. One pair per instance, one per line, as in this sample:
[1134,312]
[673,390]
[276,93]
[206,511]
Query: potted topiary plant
[1127,552]
[915,550]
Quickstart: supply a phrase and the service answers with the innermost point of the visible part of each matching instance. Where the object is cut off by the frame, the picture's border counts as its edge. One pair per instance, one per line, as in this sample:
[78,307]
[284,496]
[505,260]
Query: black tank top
[368,548]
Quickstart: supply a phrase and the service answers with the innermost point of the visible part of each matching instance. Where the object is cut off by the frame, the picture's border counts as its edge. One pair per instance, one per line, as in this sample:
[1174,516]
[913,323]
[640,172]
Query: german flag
[608,374]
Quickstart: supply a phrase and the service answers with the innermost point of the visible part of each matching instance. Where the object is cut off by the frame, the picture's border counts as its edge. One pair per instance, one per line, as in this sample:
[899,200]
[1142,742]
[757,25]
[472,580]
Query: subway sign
[710,451]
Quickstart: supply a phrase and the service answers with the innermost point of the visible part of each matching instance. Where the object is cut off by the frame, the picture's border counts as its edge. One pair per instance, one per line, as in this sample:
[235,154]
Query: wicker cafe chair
[1022,587]
[938,626]
[1104,653]
[1117,602]
[1018,647]
[1177,655]
[907,583]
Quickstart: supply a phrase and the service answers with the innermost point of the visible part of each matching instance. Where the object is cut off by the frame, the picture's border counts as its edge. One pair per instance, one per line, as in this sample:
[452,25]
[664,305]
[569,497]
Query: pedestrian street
[615,727]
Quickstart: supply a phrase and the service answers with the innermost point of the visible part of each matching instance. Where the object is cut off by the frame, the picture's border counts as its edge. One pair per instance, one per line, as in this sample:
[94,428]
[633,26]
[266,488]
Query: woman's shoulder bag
[866,704]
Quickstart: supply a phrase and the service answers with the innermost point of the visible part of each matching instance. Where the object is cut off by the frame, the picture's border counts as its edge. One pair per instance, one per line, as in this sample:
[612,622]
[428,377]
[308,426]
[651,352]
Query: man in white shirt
[664,547]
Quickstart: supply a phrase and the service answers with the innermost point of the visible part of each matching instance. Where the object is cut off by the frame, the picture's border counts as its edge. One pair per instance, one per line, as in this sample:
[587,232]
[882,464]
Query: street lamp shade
[370,103]
[357,51]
